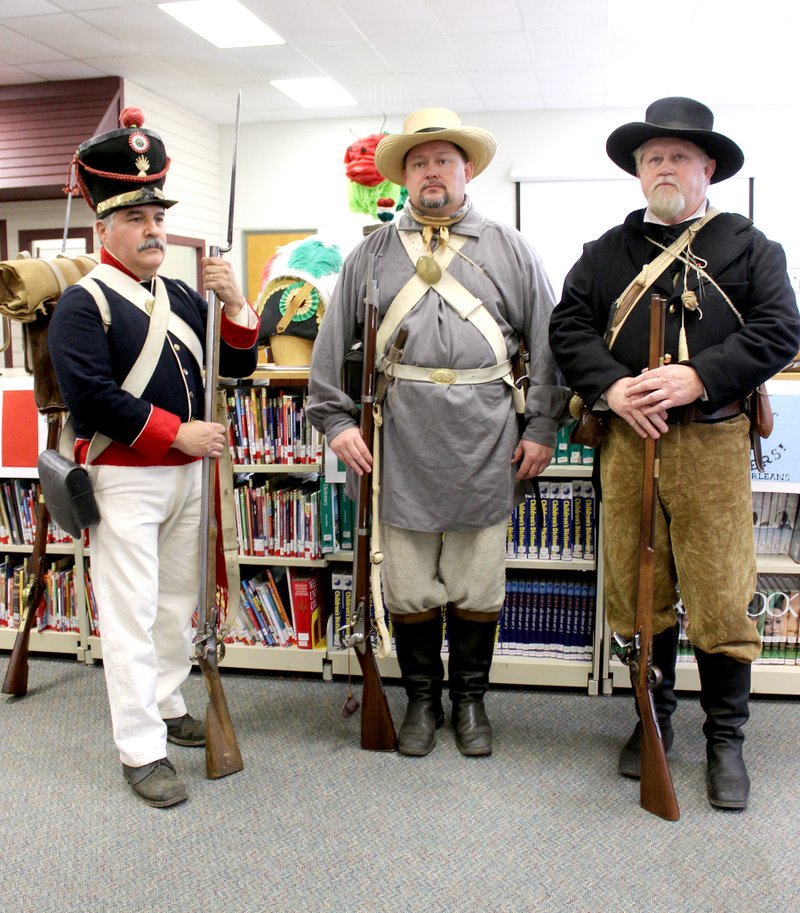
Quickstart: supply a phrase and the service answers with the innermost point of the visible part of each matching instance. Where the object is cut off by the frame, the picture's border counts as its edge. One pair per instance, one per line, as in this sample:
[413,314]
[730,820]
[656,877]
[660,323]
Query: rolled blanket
[32,286]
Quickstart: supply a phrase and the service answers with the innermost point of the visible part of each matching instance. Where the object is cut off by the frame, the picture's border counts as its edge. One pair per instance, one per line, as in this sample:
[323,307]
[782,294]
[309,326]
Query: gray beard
[666,204]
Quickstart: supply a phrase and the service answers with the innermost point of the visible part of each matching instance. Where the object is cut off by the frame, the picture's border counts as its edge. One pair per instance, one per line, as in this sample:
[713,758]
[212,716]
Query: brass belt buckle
[443,376]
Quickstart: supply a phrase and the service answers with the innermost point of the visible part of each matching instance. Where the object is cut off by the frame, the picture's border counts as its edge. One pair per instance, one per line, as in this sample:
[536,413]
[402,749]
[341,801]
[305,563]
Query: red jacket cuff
[158,435]
[238,336]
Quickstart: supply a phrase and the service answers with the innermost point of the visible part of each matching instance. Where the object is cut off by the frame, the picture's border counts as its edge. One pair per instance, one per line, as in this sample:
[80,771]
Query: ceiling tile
[507,84]
[407,55]
[540,14]
[496,51]
[18,49]
[579,46]
[337,57]
[82,38]
[468,17]
[321,20]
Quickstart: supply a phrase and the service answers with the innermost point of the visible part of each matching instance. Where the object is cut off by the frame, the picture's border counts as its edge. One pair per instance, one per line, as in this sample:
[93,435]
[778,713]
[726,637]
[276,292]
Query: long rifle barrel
[377,729]
[223,756]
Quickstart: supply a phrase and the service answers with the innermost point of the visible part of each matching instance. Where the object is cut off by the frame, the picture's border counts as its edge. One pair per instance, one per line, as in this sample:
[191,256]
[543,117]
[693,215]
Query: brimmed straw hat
[425,126]
[683,118]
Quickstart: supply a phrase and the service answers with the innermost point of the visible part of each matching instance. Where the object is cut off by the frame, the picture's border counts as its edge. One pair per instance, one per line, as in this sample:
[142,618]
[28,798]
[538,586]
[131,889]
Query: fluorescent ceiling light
[225,23]
[321,92]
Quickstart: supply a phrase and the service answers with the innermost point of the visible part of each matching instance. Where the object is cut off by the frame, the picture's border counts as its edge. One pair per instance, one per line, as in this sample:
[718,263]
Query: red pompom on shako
[131,117]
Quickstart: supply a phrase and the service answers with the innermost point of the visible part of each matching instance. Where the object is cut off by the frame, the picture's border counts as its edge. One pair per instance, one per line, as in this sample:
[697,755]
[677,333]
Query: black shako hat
[123,168]
[682,118]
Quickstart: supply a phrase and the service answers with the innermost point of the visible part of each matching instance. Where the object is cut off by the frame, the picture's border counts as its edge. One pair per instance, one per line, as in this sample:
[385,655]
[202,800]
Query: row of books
[548,616]
[776,610]
[775,516]
[57,612]
[567,454]
[543,616]
[263,618]
[268,427]
[278,517]
[563,529]
[337,517]
[18,500]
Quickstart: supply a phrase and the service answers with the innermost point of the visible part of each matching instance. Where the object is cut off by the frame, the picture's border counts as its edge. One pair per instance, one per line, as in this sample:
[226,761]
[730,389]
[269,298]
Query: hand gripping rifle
[657,793]
[377,728]
[222,750]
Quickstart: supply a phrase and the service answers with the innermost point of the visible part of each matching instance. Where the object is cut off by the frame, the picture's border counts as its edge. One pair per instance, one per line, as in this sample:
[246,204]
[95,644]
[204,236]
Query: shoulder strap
[650,272]
[459,298]
[145,365]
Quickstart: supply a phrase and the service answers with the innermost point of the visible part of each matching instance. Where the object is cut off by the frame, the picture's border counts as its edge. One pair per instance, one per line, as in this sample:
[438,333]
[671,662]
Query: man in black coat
[732,322]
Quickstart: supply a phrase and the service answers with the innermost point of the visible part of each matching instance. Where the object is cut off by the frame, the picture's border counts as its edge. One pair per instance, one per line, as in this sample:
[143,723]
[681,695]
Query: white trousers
[145,568]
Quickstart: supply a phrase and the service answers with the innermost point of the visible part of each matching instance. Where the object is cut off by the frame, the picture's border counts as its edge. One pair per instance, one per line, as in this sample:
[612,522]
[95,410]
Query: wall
[291,175]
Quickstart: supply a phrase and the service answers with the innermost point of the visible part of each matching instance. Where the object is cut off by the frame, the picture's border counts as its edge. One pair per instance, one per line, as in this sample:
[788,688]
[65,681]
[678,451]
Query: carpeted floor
[316,824]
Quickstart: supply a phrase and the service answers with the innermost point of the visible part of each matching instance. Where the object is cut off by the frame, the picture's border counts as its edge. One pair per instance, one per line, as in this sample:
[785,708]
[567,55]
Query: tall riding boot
[665,655]
[418,640]
[471,636]
[724,695]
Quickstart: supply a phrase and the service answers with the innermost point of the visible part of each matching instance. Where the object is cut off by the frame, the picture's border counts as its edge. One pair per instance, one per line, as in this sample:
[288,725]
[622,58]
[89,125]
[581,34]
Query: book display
[295,534]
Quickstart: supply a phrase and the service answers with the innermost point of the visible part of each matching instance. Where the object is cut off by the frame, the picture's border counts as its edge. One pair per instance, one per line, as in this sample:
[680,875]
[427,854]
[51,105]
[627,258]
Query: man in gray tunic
[469,291]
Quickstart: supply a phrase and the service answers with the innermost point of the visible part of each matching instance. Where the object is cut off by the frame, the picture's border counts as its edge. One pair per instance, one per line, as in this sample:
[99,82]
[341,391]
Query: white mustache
[150,243]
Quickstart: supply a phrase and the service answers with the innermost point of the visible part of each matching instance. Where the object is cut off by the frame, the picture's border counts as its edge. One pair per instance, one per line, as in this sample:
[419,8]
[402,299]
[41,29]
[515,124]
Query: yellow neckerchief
[437,226]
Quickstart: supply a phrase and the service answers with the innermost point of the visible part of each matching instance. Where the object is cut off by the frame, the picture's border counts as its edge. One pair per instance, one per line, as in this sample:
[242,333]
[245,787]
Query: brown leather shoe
[156,783]
[186,730]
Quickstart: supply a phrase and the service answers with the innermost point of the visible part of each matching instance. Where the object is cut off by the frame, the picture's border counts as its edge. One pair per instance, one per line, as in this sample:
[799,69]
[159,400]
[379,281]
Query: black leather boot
[418,641]
[725,696]
[665,655]
[471,636]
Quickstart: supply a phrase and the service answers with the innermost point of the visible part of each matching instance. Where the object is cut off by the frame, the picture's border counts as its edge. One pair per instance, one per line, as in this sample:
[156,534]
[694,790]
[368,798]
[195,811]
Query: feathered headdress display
[369,192]
[296,287]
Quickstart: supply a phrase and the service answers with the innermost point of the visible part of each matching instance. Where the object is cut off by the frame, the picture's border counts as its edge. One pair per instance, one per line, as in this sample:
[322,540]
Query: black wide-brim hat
[682,118]
[123,168]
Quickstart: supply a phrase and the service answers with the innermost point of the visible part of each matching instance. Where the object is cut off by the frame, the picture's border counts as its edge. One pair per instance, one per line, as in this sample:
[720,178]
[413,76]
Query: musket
[51,404]
[16,679]
[222,750]
[656,790]
[377,728]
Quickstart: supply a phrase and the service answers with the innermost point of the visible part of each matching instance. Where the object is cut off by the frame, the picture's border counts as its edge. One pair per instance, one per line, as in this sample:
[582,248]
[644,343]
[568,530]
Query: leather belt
[685,415]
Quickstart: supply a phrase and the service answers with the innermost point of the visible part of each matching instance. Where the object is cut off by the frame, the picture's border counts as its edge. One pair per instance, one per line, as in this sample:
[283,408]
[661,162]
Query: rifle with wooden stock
[222,749]
[377,728]
[16,679]
[50,403]
[657,793]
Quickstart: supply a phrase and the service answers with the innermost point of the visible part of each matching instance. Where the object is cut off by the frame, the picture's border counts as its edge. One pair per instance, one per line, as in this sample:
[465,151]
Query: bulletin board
[259,247]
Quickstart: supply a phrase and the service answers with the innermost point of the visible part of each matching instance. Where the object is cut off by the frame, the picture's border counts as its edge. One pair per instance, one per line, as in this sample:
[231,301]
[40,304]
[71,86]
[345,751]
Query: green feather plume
[316,259]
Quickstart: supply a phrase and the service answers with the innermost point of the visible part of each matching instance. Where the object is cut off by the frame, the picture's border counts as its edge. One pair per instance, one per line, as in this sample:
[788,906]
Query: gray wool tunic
[446,450]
